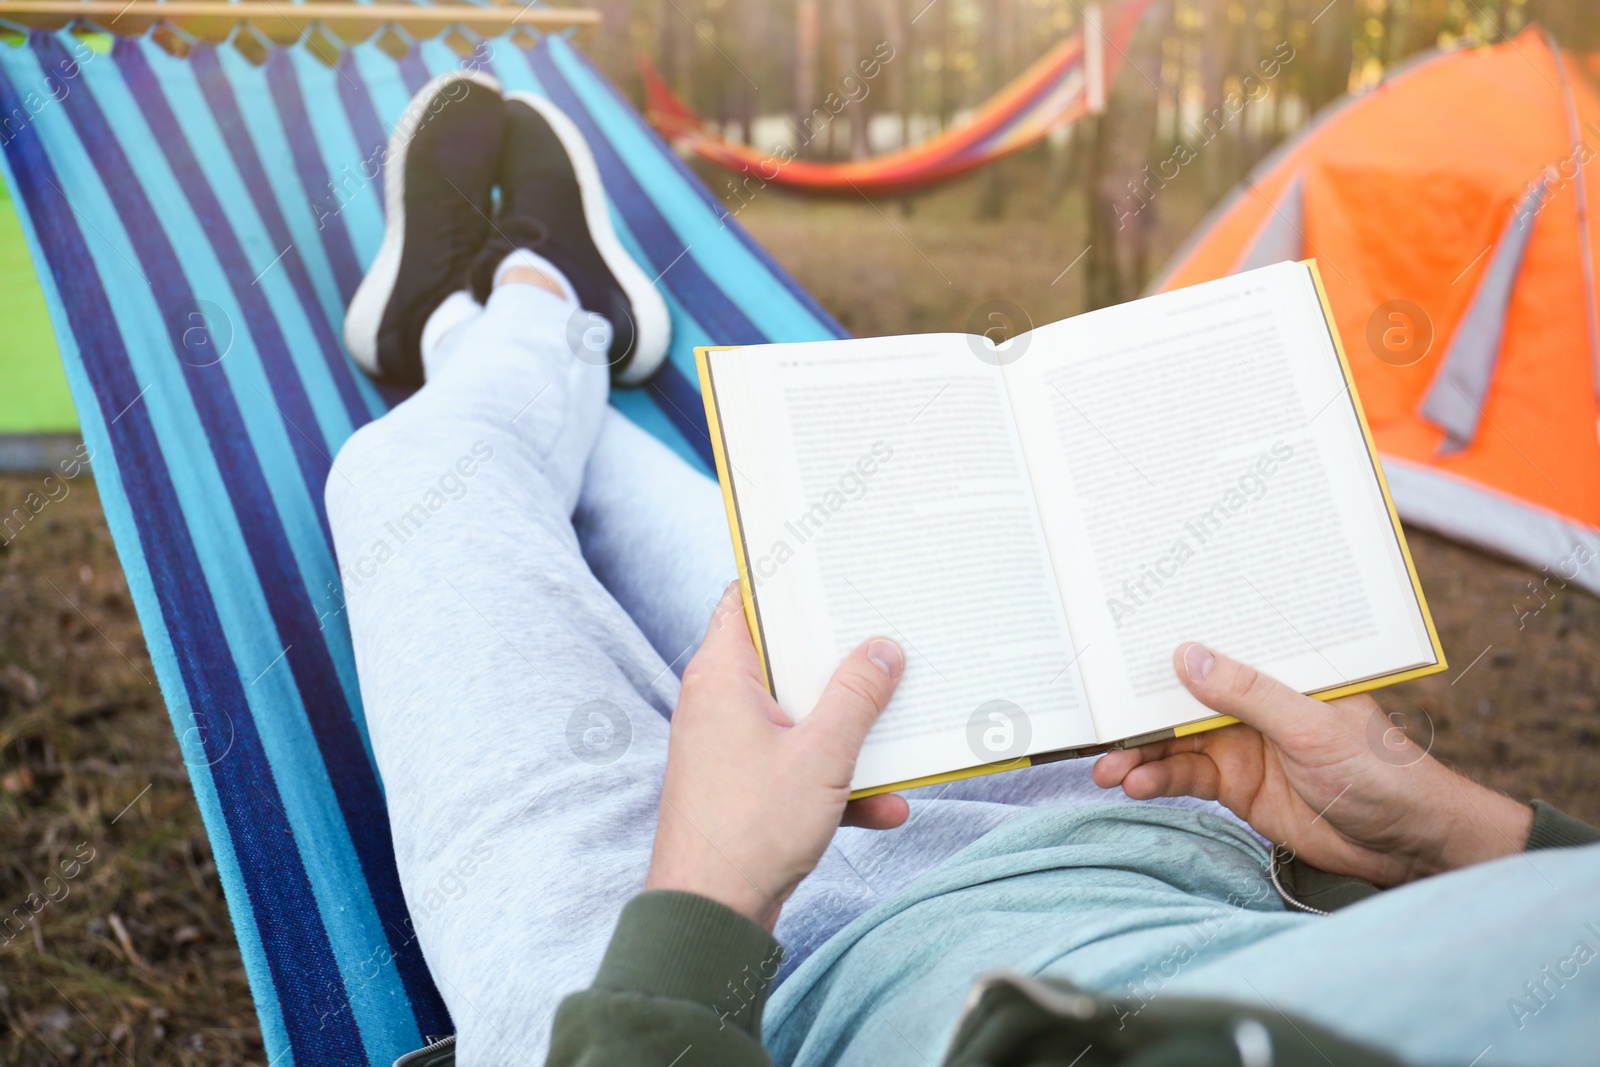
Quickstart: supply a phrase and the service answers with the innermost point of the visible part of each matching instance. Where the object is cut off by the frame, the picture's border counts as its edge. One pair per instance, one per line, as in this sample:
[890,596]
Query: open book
[1040,523]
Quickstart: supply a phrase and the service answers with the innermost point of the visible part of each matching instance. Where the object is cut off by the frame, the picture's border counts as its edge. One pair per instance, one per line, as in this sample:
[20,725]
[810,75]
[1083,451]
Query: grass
[131,956]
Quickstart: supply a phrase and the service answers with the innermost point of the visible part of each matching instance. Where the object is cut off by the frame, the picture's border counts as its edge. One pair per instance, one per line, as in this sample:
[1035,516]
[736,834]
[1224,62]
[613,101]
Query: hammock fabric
[1053,91]
[198,226]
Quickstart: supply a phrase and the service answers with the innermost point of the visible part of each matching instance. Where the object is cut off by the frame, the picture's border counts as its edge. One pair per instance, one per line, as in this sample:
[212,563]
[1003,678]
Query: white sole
[652,325]
[365,313]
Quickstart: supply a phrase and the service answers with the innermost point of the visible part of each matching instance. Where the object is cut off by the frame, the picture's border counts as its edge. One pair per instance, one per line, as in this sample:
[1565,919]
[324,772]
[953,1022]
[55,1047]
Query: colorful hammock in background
[1065,84]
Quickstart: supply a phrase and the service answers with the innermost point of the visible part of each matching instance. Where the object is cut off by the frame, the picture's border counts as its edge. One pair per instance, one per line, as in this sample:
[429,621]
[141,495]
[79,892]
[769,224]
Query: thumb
[854,698]
[1233,688]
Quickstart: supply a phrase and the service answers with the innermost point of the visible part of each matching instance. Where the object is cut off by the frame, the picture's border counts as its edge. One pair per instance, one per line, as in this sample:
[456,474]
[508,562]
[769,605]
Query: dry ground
[135,962]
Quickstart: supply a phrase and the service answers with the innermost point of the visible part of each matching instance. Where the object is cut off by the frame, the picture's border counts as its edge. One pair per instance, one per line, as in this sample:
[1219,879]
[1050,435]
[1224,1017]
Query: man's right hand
[750,800]
[1337,781]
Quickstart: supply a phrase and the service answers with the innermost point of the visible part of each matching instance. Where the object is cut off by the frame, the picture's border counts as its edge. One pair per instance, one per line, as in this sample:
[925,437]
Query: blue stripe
[350,773]
[361,404]
[309,444]
[314,177]
[413,71]
[374,97]
[682,405]
[275,880]
[175,99]
[370,133]
[362,805]
[371,136]
[644,412]
[265,164]
[339,152]
[757,286]
[576,63]
[291,374]
[678,269]
[386,90]
[163,656]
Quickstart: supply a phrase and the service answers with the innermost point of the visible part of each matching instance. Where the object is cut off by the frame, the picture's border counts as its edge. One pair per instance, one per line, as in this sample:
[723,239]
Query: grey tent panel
[1282,233]
[1454,401]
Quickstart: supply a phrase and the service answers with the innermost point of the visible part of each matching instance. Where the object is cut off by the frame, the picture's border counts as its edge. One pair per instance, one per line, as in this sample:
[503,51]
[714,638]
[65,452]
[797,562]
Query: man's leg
[516,713]
[655,533]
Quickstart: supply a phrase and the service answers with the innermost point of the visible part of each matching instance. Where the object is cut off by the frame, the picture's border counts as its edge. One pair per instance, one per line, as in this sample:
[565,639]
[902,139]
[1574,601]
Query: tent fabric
[1449,211]
[198,226]
[1454,401]
[1051,92]
[35,398]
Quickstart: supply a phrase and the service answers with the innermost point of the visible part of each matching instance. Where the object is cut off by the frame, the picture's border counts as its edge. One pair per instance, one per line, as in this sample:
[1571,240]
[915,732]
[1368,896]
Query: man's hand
[750,800]
[1335,781]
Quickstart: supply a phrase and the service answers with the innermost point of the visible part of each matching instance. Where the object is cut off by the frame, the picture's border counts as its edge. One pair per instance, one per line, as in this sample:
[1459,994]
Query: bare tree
[807,31]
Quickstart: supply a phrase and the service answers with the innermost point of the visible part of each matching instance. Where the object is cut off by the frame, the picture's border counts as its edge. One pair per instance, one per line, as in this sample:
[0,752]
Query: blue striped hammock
[198,225]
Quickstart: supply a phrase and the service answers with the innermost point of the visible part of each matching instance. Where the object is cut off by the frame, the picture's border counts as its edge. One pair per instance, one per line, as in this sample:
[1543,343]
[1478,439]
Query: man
[525,572]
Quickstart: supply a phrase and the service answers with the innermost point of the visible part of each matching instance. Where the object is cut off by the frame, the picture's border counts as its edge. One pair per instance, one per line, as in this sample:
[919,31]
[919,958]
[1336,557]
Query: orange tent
[1450,212]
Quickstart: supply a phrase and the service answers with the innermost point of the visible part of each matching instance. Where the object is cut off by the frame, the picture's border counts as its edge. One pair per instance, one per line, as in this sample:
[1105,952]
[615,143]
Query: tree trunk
[752,41]
[1104,284]
[805,74]
[895,80]
[947,85]
[995,41]
[613,44]
[849,83]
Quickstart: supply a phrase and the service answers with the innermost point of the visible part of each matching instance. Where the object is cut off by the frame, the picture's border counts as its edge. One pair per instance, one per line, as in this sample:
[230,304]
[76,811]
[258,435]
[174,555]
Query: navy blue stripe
[413,71]
[311,449]
[684,408]
[281,898]
[218,91]
[391,393]
[285,88]
[365,124]
[373,140]
[716,206]
[724,321]
[350,773]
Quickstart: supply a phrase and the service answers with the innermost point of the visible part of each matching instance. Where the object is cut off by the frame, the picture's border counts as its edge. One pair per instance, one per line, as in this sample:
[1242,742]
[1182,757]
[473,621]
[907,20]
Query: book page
[881,489]
[1202,476]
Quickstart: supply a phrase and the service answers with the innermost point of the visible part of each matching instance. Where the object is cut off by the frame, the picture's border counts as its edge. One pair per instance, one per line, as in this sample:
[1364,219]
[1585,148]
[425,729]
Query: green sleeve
[1554,829]
[683,982]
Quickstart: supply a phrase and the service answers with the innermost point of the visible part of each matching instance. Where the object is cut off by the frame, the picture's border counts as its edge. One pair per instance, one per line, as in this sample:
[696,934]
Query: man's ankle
[523,267]
[531,276]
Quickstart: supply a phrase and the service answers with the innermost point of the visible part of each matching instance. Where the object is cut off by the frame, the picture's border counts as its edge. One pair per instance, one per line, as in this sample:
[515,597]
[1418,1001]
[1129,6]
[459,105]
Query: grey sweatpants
[527,573]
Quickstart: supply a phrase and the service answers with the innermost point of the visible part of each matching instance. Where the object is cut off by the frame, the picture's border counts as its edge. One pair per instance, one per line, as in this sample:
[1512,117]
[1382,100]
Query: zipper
[1288,898]
[420,1057]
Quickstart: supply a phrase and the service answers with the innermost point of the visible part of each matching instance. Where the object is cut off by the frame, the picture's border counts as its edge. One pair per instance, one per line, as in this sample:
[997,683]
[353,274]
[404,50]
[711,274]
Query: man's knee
[367,465]
[406,457]
[357,455]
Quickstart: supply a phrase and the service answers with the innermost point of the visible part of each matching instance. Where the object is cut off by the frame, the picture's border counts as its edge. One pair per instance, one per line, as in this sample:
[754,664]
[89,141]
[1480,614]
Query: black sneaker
[443,158]
[552,202]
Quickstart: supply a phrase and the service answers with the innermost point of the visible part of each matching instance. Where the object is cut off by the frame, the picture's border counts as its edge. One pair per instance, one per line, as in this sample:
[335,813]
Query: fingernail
[1197,662]
[886,654]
